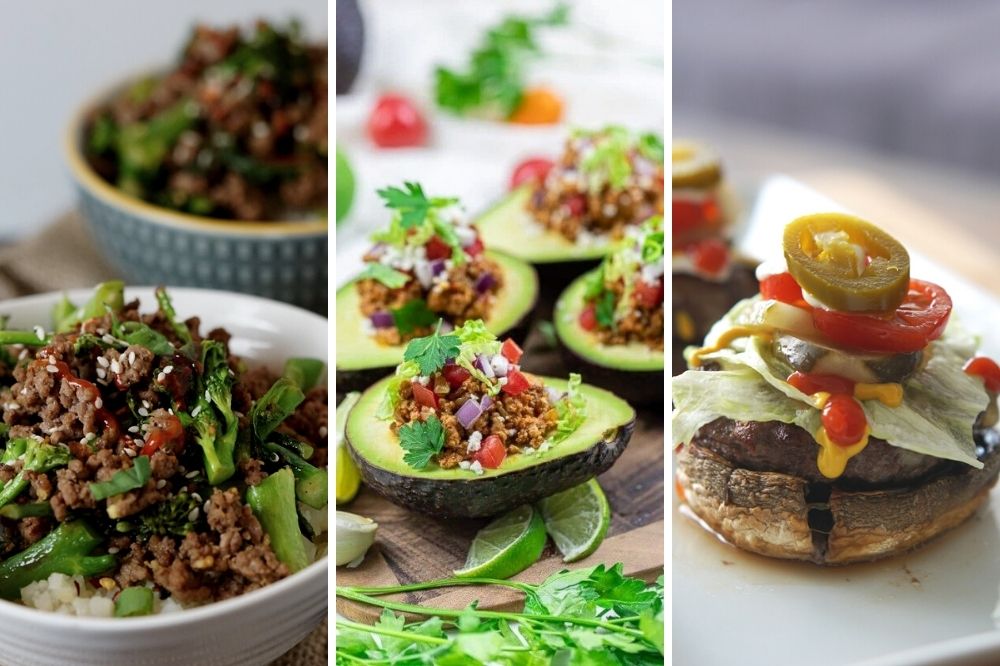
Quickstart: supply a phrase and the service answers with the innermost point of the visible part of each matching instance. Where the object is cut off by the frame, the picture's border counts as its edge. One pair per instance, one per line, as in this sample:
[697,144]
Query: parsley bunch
[593,616]
[494,79]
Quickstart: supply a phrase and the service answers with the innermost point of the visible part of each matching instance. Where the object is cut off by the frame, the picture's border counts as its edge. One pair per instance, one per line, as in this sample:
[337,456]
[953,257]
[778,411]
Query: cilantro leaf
[411,203]
[432,351]
[625,595]
[387,275]
[413,315]
[421,441]
[651,147]
[123,480]
[605,310]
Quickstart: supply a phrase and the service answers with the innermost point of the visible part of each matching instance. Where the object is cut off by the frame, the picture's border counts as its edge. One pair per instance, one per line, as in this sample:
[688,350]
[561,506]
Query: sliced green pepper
[847,263]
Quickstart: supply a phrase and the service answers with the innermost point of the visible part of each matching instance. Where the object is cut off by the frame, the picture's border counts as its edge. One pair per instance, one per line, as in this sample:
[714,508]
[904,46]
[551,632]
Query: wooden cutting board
[412,547]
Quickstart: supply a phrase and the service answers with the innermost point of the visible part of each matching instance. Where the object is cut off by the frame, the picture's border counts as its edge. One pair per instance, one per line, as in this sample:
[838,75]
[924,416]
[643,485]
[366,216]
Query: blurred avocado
[350,43]
[345,186]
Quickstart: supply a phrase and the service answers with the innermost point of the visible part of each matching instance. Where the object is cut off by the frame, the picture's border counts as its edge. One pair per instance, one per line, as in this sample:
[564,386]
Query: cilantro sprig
[416,218]
[412,315]
[494,78]
[411,204]
[432,351]
[421,441]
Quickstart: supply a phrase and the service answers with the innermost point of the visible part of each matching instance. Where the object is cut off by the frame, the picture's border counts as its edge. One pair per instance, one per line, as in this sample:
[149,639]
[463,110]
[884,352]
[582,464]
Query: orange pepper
[539,106]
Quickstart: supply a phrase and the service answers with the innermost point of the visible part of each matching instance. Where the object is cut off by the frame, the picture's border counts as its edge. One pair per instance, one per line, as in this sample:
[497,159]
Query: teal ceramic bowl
[148,244]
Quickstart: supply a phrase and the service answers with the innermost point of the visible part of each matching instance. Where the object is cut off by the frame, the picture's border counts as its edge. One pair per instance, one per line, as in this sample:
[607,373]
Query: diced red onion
[483,364]
[382,319]
[424,274]
[486,402]
[485,282]
[468,413]
[437,266]
[500,365]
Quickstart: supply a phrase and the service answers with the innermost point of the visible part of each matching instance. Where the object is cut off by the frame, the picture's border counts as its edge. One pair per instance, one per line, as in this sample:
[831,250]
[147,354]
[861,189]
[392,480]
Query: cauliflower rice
[73,595]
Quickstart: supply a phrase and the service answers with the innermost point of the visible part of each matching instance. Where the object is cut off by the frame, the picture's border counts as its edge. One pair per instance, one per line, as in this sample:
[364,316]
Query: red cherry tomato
[424,396]
[396,123]
[532,170]
[491,452]
[511,351]
[649,295]
[577,205]
[437,249]
[691,215]
[588,317]
[476,248]
[987,370]
[920,319]
[844,420]
[516,383]
[781,287]
[455,374]
[709,255]
[815,383]
[170,435]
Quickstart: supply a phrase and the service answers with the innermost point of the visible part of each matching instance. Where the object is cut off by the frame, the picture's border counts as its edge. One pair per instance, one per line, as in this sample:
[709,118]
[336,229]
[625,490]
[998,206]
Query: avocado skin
[359,380]
[638,387]
[350,43]
[483,497]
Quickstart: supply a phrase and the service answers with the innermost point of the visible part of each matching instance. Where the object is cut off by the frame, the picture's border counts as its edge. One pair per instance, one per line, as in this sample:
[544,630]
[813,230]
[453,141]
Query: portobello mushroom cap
[787,516]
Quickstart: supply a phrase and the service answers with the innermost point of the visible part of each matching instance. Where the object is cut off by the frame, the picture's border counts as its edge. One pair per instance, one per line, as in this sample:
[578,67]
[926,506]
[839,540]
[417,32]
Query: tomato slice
[424,396]
[491,452]
[516,383]
[782,287]
[455,374]
[588,317]
[395,122]
[649,295]
[437,249]
[709,255]
[987,370]
[815,383]
[511,351]
[844,420]
[920,319]
[689,215]
[532,170]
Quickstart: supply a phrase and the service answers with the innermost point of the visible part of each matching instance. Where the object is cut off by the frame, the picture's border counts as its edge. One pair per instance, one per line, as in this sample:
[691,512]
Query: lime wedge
[509,544]
[577,519]
[345,186]
[355,535]
[348,476]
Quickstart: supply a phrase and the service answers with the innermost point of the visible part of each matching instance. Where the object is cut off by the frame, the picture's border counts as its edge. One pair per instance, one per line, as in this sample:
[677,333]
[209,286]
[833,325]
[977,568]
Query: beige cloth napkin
[62,256]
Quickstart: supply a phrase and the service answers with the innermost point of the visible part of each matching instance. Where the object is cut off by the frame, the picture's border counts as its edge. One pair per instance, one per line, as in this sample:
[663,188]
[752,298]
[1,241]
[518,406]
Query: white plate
[732,607]
[252,629]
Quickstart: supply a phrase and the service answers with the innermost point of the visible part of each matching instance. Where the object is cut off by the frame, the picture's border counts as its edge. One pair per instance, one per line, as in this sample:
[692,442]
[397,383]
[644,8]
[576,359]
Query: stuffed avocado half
[429,265]
[610,321]
[461,430]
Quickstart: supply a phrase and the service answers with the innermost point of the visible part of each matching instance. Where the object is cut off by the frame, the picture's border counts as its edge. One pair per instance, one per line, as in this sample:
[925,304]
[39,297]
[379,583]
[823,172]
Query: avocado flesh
[520,479]
[358,351]
[636,356]
[510,228]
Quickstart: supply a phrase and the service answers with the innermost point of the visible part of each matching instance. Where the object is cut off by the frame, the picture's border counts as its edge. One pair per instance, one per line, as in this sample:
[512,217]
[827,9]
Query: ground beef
[32,529]
[311,418]
[639,324]
[253,471]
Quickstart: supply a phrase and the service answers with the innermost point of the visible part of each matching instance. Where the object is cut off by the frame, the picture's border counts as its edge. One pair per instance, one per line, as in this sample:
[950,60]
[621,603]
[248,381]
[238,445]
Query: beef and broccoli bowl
[146,467]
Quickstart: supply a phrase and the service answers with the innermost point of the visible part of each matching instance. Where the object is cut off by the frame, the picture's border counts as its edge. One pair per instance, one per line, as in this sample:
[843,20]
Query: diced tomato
[649,295]
[987,369]
[588,317]
[455,374]
[920,319]
[539,106]
[781,287]
[424,396]
[815,383]
[511,351]
[516,383]
[577,205]
[709,255]
[476,248]
[395,122]
[170,436]
[437,249]
[532,170]
[491,452]
[844,420]
[692,214]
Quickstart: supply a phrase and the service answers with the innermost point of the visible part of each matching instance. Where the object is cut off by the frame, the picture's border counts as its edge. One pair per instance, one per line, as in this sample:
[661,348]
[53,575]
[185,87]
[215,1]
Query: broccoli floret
[38,457]
[168,518]
[215,422]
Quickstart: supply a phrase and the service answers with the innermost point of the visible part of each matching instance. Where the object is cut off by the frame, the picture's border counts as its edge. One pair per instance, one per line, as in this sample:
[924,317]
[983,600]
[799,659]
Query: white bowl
[249,630]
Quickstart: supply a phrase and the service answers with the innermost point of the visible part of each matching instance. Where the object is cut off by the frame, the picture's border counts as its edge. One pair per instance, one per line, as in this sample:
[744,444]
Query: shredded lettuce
[405,371]
[940,401]
[476,339]
[571,410]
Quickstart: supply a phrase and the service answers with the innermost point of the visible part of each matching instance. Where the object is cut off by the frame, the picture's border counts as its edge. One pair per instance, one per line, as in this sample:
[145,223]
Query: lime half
[509,544]
[348,476]
[577,519]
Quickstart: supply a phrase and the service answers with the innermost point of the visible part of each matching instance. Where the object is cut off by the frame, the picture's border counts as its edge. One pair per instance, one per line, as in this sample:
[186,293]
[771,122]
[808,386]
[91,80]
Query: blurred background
[57,55]
[888,107]
[606,66]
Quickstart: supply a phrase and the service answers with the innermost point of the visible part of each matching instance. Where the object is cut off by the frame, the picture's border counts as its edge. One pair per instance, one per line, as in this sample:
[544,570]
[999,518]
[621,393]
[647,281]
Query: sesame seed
[101,374]
[323,431]
[39,332]
[89,435]
[196,497]
[161,483]
[160,378]
[51,368]
[131,358]
[112,551]
[130,453]
[207,504]
[108,338]
[116,367]
[99,403]
[142,411]
[134,429]
[145,403]
[103,362]
[52,360]
[195,411]
[192,474]
[23,355]
[193,514]
[167,370]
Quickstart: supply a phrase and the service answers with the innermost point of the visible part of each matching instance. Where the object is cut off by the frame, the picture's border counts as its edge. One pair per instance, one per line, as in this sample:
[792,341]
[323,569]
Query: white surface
[55,55]
[248,630]
[775,613]
[607,65]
